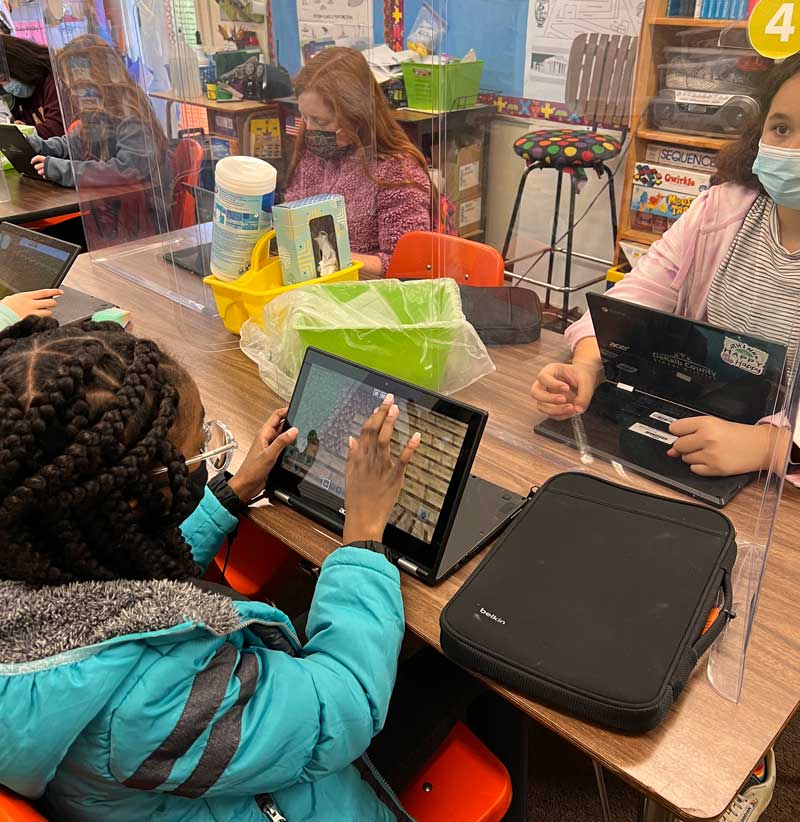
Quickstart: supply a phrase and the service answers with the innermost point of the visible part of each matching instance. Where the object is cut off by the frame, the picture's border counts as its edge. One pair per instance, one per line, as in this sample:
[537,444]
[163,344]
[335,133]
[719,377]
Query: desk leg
[504,730]
[649,811]
[600,776]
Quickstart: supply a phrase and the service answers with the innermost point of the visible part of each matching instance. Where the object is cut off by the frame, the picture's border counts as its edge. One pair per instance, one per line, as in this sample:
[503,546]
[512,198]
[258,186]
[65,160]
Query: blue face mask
[778,170]
[18,89]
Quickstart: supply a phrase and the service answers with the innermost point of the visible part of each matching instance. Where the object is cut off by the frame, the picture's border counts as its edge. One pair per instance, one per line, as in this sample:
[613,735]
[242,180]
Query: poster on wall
[333,23]
[552,27]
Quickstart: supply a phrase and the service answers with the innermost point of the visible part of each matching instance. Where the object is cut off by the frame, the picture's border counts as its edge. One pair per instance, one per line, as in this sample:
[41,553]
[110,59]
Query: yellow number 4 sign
[774,28]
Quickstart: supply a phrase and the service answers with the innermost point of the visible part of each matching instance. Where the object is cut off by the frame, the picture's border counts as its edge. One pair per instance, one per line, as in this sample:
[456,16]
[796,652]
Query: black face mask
[197,481]
[323,144]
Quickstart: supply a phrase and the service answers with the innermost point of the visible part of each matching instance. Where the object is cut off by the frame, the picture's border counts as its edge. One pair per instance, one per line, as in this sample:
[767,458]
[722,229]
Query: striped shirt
[757,288]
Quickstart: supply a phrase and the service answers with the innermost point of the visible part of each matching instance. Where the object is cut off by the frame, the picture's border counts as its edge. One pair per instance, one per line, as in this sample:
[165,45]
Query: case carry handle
[718,625]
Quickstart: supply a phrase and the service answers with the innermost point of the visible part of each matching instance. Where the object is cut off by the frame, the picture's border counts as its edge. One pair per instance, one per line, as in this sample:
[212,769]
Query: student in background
[114,139]
[732,260]
[15,307]
[30,81]
[150,696]
[349,144]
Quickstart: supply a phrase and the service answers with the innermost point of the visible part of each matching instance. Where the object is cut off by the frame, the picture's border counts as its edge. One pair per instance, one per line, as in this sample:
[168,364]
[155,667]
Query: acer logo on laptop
[619,346]
[489,615]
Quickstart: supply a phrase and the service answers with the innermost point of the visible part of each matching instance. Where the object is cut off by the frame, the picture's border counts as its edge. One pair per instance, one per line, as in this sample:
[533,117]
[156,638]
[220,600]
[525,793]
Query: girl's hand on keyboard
[715,448]
[41,303]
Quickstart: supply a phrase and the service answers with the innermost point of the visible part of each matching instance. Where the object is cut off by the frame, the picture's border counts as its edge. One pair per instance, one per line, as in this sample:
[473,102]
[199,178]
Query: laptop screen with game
[332,400]
[30,261]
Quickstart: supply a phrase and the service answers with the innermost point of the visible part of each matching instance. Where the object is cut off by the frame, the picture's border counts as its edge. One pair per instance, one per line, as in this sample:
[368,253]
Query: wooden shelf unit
[658,31]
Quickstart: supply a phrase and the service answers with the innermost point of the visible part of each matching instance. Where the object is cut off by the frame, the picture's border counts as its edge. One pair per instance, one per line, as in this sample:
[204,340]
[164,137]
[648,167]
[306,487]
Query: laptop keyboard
[642,406]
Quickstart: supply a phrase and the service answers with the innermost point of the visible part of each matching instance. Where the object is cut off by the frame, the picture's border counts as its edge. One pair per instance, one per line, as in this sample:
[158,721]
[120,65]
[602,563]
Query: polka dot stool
[570,152]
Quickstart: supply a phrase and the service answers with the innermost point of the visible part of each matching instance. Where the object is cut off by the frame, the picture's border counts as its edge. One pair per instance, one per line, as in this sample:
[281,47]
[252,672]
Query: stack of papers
[385,63]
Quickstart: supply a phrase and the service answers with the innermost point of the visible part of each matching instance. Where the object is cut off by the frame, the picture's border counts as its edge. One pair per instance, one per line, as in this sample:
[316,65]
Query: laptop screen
[709,369]
[331,402]
[30,261]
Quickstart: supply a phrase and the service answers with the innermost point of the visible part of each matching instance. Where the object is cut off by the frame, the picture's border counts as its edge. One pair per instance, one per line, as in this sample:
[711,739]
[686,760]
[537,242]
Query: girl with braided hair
[128,691]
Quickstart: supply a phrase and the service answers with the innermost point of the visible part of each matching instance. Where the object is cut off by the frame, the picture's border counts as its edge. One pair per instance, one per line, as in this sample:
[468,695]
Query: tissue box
[312,237]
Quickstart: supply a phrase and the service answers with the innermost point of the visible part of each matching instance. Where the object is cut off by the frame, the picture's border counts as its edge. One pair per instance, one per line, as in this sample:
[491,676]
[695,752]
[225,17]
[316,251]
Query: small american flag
[293,124]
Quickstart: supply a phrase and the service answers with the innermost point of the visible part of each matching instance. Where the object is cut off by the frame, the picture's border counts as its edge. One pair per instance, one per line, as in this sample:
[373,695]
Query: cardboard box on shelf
[462,169]
[681,156]
[468,216]
[671,178]
[661,203]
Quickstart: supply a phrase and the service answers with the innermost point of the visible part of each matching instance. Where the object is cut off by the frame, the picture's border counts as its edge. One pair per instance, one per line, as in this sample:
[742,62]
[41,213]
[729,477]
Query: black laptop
[660,368]
[444,514]
[18,151]
[30,261]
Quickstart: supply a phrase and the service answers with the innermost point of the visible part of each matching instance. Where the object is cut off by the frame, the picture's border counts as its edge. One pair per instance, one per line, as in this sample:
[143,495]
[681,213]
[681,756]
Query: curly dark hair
[86,413]
[735,161]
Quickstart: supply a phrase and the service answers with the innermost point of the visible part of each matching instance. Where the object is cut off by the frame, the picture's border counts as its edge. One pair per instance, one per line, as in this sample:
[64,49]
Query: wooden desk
[242,111]
[697,760]
[33,200]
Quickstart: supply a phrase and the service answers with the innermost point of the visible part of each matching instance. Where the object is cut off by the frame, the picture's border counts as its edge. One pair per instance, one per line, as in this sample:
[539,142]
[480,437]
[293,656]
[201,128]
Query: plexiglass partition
[657,386]
[158,94]
[631,103]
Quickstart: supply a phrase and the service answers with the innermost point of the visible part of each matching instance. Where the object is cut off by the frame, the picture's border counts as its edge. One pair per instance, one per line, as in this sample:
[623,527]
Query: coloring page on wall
[552,27]
[324,23]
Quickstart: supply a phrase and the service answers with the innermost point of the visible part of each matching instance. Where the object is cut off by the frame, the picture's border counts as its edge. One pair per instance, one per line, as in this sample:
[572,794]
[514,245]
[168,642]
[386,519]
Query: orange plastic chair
[14,808]
[428,255]
[463,780]
[257,561]
[186,161]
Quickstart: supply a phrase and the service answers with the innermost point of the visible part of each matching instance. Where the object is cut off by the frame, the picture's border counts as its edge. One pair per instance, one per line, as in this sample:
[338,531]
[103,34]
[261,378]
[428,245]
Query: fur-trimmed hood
[37,623]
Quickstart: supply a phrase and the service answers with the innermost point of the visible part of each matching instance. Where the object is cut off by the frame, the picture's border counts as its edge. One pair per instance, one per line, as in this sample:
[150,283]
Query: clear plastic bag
[415,331]
[425,37]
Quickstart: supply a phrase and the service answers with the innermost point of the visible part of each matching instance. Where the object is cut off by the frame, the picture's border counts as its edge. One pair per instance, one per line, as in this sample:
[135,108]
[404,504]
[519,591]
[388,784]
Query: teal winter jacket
[133,701]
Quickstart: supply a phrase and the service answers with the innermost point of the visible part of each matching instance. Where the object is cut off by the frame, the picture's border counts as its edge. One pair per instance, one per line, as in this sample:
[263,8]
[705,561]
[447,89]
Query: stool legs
[573,192]
[554,237]
[612,203]
[515,210]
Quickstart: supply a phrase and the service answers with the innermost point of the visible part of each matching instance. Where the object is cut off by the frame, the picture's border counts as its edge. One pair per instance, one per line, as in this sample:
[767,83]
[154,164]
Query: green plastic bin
[427,313]
[442,87]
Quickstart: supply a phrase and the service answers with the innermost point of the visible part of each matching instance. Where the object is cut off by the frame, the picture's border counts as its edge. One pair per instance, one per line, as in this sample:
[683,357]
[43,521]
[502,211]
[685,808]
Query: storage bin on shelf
[726,71]
[442,87]
[244,299]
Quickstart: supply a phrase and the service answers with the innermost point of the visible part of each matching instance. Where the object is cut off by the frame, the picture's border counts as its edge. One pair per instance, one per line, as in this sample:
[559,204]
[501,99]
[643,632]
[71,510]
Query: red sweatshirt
[41,110]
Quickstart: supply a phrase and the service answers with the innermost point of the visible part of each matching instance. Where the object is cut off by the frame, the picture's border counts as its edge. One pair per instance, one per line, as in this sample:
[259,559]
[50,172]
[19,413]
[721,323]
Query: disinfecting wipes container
[243,196]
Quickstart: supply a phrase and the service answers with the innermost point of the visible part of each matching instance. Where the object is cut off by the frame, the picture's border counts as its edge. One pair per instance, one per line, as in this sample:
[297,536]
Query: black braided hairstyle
[85,415]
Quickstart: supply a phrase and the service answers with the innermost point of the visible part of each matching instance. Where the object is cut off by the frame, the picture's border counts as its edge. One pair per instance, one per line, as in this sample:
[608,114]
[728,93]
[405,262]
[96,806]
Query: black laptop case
[595,600]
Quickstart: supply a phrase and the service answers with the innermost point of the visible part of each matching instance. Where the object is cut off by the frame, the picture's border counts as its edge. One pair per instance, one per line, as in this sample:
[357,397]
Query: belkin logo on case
[489,615]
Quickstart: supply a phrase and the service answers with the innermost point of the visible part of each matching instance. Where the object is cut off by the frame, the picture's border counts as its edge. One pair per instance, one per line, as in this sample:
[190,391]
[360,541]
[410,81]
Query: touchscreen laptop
[444,514]
[18,150]
[30,261]
[660,368]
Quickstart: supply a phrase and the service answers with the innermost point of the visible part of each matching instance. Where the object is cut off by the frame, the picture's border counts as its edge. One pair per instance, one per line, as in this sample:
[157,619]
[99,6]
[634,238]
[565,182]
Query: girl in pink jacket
[732,260]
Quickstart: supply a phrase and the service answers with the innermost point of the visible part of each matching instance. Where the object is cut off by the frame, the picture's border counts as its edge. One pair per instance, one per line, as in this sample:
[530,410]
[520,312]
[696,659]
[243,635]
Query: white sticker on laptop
[744,356]
[662,418]
[653,433]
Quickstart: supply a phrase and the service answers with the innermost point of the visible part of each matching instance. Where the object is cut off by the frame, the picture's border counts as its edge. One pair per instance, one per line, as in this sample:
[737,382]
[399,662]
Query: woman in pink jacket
[732,260]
